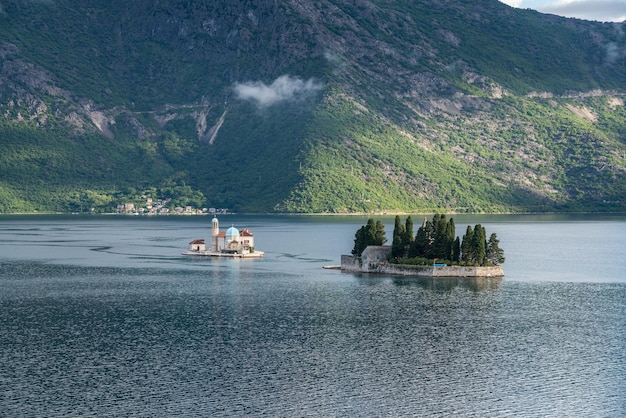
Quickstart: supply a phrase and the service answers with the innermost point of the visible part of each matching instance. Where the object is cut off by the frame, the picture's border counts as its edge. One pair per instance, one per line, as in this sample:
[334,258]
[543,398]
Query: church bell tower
[215,230]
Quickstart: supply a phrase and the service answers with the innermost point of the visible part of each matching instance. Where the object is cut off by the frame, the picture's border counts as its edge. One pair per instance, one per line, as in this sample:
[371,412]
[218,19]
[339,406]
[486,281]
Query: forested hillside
[322,106]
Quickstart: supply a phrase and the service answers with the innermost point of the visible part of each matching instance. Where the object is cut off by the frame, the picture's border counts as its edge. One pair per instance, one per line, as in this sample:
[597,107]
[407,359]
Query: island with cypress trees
[434,251]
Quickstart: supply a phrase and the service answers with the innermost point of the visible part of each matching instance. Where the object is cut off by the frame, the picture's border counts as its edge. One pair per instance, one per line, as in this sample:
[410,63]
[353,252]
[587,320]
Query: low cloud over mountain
[284,88]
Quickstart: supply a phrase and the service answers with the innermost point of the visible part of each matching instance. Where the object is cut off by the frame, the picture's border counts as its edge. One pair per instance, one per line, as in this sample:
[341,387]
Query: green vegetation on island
[373,233]
[435,241]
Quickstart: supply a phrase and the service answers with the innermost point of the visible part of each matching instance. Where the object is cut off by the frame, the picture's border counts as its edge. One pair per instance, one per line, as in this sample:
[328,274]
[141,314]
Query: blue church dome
[232,232]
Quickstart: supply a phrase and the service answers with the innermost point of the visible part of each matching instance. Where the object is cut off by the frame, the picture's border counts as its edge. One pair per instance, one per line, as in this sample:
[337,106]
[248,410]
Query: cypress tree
[397,226]
[439,236]
[397,249]
[495,254]
[408,233]
[359,242]
[379,234]
[420,246]
[397,244]
[456,250]
[417,248]
[429,240]
[450,237]
[370,232]
[479,244]
[467,253]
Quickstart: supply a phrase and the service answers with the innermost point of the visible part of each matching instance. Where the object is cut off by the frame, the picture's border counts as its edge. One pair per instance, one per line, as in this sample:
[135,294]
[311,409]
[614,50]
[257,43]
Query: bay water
[103,316]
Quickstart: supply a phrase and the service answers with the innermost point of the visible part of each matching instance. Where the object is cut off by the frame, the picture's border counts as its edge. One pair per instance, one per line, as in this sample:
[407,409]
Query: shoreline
[374,260]
[256,254]
[381,213]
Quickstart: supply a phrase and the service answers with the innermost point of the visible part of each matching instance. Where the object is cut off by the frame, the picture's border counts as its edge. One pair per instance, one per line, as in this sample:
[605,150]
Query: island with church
[229,243]
[435,251]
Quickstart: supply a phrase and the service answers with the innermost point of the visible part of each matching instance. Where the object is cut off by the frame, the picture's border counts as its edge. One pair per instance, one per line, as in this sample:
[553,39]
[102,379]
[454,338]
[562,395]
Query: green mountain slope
[326,106]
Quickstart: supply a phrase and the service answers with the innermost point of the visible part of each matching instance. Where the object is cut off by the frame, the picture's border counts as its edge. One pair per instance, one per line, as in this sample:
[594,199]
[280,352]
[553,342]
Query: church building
[232,242]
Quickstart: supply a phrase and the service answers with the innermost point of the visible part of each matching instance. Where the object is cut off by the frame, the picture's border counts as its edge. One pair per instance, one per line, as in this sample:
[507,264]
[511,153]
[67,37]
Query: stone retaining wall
[374,260]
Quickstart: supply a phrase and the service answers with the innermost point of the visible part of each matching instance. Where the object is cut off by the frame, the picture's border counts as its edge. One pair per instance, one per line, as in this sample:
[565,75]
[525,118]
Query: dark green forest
[434,242]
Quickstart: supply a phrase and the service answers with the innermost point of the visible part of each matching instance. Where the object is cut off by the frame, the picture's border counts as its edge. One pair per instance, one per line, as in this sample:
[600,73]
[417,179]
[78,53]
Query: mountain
[320,106]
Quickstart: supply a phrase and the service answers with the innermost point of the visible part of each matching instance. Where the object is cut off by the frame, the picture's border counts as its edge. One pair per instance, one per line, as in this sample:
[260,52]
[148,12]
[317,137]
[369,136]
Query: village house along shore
[374,260]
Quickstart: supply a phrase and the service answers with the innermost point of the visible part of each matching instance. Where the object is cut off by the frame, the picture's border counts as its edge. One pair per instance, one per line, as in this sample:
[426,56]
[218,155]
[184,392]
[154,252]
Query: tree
[408,233]
[371,234]
[397,243]
[380,238]
[439,236]
[437,239]
[359,242]
[450,238]
[456,250]
[397,226]
[495,254]
[423,243]
[479,244]
[397,249]
[467,251]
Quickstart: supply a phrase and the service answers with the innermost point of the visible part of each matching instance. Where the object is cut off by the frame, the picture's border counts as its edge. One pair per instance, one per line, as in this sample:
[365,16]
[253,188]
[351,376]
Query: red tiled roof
[197,241]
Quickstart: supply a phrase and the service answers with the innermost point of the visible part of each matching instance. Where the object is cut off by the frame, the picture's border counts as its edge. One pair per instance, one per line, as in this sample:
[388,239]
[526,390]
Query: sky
[600,10]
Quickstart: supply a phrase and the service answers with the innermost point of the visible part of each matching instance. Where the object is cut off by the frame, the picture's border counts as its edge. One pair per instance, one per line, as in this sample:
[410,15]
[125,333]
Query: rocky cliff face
[158,53]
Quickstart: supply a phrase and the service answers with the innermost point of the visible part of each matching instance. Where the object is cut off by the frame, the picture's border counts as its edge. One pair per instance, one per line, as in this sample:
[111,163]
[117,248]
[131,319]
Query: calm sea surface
[103,316]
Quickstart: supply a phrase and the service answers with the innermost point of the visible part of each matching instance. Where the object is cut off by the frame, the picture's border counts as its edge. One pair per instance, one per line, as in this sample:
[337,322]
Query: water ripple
[123,342]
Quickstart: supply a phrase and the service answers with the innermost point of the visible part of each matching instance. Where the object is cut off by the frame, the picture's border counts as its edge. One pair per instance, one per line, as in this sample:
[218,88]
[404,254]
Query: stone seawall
[374,260]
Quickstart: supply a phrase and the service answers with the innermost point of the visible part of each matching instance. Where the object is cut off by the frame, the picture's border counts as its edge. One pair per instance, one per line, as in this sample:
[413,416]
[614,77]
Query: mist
[284,89]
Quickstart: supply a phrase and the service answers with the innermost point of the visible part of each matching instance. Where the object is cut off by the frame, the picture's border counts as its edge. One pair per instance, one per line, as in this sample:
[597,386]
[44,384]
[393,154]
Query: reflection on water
[136,329]
[436,284]
[445,284]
